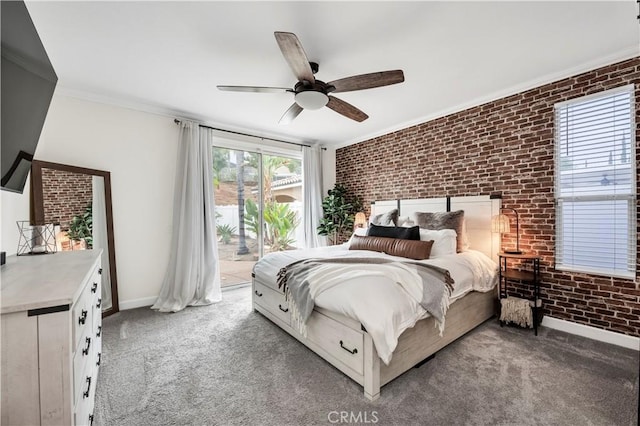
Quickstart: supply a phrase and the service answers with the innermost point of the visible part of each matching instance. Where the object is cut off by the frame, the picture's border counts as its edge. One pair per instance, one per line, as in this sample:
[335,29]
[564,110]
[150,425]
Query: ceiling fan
[310,93]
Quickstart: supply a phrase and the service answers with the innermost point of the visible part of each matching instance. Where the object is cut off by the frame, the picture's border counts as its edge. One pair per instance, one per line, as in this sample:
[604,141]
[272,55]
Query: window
[596,184]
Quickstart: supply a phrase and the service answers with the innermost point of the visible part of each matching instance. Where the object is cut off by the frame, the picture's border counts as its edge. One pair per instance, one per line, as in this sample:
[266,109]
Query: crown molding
[623,55]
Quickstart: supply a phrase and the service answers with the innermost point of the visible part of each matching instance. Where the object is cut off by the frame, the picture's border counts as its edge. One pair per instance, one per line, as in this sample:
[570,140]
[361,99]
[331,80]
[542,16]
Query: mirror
[78,201]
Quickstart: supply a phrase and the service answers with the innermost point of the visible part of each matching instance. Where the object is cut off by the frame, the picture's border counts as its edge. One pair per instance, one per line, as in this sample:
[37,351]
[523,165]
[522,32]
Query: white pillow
[405,221]
[444,241]
[361,232]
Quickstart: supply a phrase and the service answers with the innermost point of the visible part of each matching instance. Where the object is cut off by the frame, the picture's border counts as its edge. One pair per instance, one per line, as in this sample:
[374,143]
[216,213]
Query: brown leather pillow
[411,249]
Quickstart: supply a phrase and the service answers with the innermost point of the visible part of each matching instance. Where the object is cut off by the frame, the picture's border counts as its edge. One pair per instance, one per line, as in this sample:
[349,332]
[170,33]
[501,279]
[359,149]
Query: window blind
[596,183]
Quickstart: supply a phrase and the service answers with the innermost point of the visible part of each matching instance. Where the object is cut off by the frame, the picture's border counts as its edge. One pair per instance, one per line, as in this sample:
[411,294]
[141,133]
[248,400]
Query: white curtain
[312,169]
[100,240]
[193,274]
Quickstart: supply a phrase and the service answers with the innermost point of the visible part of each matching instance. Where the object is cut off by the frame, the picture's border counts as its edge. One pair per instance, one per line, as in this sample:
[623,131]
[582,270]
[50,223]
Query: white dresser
[51,323]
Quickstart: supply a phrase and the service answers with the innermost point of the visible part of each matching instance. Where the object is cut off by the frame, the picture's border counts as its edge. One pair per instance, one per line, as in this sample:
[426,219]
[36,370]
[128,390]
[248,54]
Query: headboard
[379,207]
[478,211]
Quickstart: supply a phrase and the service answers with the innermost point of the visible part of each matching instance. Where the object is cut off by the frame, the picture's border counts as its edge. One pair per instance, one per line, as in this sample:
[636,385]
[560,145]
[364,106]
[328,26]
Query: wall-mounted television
[27,86]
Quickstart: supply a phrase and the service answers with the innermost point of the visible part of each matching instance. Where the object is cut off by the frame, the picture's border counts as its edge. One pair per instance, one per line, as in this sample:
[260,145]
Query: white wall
[139,149]
[14,207]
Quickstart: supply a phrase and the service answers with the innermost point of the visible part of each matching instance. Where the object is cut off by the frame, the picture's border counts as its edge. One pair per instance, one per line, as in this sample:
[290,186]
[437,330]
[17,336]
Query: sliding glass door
[258,208]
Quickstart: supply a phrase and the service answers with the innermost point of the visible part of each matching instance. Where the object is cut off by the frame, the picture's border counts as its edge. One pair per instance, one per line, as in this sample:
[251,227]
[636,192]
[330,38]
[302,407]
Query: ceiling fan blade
[346,109]
[294,54]
[255,89]
[293,111]
[367,81]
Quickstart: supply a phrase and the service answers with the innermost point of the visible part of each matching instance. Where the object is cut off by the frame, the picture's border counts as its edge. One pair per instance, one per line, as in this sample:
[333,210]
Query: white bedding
[379,304]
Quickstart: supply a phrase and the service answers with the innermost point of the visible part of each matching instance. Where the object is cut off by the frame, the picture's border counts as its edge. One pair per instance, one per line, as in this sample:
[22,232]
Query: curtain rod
[252,136]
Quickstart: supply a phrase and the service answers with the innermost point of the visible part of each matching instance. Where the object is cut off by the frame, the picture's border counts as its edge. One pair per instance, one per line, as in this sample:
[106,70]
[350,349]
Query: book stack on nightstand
[528,273]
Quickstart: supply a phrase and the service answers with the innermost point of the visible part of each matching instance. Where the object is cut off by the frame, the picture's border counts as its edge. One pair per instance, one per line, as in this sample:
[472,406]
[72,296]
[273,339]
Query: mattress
[378,303]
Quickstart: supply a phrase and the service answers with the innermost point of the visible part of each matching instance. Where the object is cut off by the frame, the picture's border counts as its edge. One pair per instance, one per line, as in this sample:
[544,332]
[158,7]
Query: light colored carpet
[228,365]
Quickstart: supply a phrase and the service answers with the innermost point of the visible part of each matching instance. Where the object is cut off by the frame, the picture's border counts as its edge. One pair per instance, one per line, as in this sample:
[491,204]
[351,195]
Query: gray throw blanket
[437,284]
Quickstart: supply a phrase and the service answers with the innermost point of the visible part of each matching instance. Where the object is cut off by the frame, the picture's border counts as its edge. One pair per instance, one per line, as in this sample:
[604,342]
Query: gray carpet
[228,365]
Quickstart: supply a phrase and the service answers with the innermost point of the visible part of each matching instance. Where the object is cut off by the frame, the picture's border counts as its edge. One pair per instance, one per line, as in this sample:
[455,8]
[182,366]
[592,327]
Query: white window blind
[596,183]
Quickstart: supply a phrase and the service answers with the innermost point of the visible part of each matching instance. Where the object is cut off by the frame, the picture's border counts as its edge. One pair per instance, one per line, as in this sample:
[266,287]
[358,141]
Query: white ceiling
[168,57]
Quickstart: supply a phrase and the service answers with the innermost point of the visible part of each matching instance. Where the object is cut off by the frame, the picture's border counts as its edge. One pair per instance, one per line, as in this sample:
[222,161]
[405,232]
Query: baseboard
[594,333]
[137,303]
[148,301]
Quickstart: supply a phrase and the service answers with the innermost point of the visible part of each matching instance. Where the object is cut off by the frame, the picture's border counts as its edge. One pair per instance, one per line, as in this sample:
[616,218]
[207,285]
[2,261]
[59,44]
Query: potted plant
[339,211]
[81,227]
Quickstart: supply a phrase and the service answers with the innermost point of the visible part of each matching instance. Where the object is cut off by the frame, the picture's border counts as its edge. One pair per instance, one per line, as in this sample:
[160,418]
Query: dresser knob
[85,351]
[85,394]
[83,317]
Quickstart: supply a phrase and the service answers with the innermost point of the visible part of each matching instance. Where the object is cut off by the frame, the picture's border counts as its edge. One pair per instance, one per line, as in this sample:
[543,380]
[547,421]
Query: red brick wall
[505,146]
[65,195]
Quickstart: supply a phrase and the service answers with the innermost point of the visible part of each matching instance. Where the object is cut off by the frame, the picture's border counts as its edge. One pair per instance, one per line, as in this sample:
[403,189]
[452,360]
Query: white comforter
[383,307]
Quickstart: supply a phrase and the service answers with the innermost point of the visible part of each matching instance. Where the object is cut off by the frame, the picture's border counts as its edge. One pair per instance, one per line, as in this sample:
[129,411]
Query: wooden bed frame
[345,344]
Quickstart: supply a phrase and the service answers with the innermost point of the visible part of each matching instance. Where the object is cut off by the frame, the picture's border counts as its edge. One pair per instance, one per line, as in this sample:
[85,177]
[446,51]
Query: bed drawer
[338,340]
[273,301]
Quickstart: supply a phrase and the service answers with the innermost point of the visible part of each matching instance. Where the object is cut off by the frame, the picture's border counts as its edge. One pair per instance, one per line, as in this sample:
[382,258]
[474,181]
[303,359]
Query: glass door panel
[258,200]
[237,199]
[282,183]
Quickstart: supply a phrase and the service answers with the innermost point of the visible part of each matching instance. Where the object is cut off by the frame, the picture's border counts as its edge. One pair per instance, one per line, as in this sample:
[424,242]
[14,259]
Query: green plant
[339,211]
[81,227]
[280,223]
[225,232]
[251,218]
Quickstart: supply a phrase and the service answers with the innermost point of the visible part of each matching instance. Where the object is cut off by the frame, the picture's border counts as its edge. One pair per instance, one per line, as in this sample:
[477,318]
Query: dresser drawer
[85,390]
[273,301]
[339,340]
[97,348]
[83,414]
[82,316]
[81,360]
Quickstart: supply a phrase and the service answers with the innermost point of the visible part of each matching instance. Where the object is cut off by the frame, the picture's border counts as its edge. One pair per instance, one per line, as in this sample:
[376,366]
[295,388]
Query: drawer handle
[283,309]
[99,358]
[352,352]
[94,287]
[83,317]
[86,393]
[99,303]
[100,271]
[90,419]
[85,351]
[99,331]
[258,293]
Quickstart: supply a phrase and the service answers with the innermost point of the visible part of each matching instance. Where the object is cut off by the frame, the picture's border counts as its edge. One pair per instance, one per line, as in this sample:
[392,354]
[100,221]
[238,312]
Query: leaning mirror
[77,201]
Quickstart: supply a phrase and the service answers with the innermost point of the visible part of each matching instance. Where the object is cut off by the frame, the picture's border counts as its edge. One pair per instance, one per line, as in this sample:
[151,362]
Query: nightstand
[528,274]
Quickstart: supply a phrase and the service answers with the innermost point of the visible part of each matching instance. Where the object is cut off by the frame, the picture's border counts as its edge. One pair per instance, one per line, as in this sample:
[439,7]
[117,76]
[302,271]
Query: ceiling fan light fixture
[311,99]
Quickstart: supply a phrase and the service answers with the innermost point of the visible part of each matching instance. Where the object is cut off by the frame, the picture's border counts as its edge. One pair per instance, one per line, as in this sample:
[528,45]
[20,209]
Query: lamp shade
[360,220]
[500,224]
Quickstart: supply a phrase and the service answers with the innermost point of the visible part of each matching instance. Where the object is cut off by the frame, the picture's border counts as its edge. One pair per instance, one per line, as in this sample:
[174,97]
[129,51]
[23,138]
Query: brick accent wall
[505,146]
[65,194]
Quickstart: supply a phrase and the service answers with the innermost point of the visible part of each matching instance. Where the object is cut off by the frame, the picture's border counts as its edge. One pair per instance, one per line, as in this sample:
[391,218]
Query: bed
[371,353]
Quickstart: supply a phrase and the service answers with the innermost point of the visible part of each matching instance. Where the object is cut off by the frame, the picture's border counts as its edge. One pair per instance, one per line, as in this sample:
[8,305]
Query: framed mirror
[77,201]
